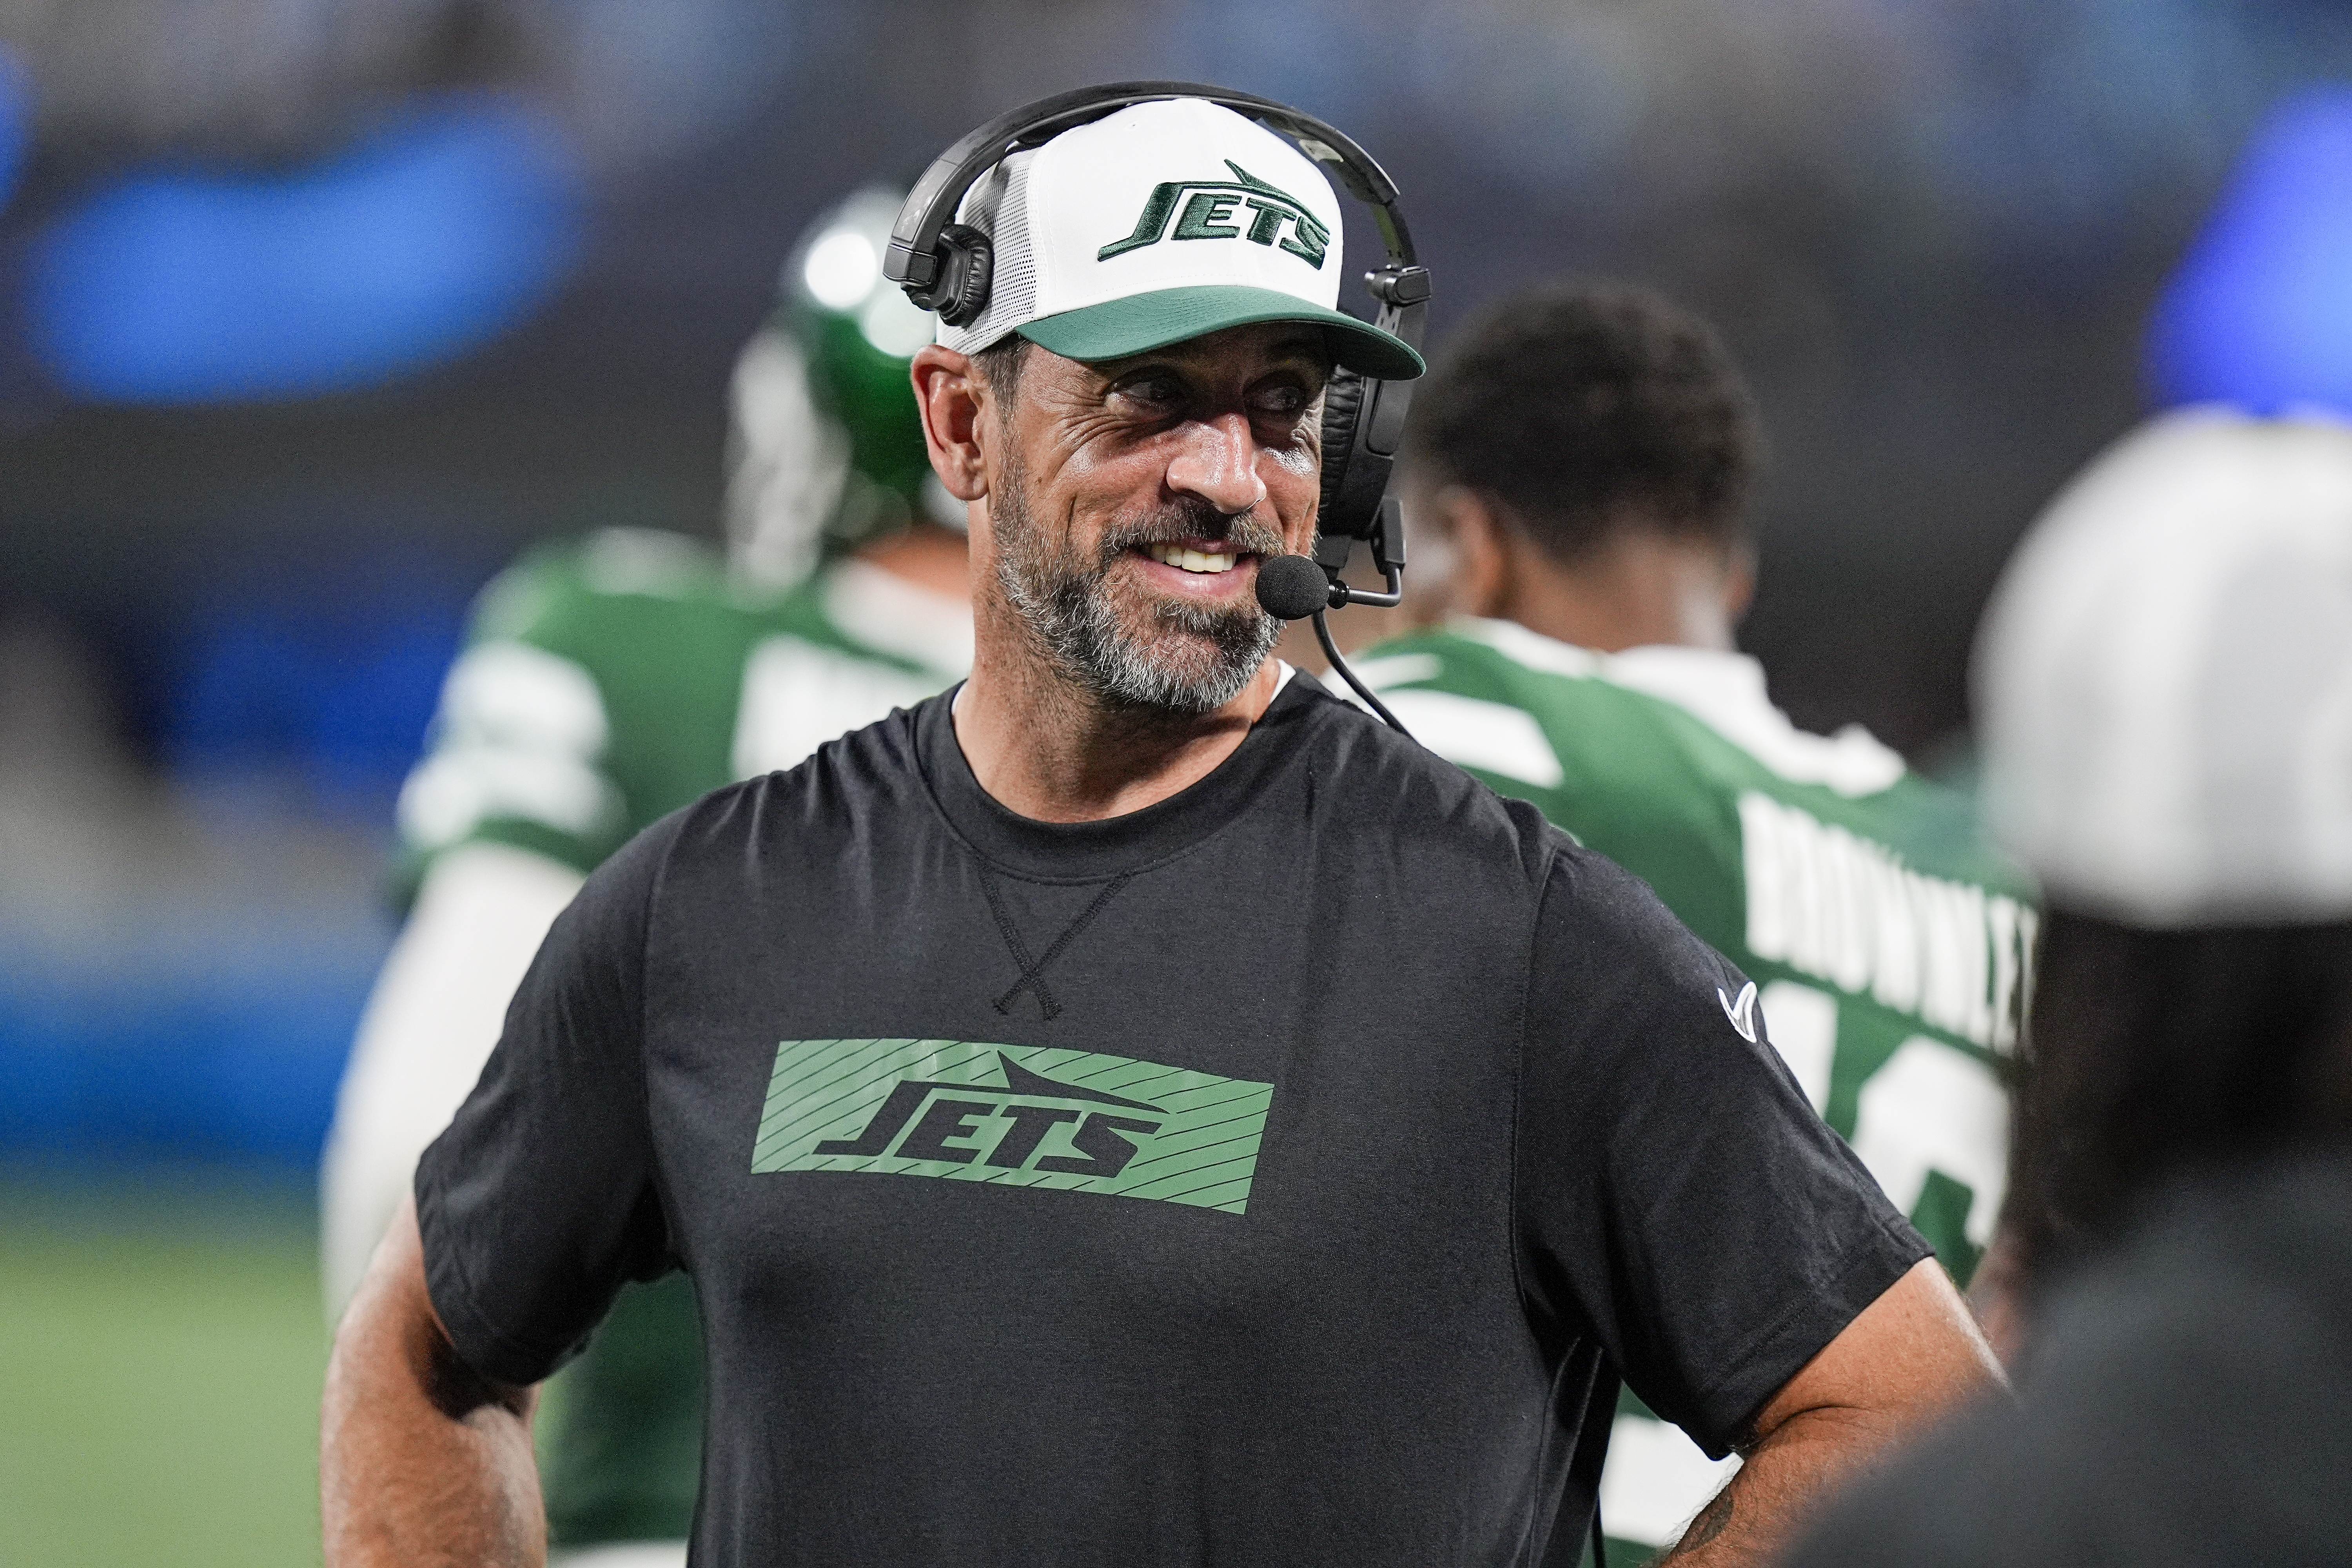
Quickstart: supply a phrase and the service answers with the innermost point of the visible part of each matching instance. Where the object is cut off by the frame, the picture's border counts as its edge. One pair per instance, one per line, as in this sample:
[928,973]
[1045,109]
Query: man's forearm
[1911,1355]
[1753,1516]
[420,1462]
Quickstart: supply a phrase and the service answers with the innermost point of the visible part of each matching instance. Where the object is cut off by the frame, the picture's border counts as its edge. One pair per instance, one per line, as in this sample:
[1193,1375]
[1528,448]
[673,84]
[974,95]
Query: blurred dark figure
[2166,687]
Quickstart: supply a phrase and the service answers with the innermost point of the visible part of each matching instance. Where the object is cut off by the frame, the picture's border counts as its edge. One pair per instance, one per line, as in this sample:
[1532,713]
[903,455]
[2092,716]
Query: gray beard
[1199,659]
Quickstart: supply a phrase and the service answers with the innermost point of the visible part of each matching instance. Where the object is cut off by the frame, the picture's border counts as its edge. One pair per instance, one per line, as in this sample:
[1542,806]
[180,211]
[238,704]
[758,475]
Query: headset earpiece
[967,259]
[961,263]
[1361,421]
[1343,401]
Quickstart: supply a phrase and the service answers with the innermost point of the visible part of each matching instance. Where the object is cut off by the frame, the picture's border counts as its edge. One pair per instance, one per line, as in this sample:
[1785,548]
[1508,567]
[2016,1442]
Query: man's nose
[1218,462]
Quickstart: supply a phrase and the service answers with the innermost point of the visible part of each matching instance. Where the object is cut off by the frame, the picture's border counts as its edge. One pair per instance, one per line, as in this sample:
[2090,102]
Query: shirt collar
[1081,851]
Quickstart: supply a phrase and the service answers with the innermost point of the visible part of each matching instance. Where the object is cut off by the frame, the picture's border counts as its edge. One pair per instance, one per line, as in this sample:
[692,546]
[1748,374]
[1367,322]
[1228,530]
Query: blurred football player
[609,681]
[2164,687]
[1577,475]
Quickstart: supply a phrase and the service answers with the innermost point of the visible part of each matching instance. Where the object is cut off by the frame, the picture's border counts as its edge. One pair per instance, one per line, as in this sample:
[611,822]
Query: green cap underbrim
[1141,322]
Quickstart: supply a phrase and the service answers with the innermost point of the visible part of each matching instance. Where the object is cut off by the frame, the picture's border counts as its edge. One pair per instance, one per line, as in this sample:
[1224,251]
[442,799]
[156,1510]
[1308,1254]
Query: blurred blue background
[313,314]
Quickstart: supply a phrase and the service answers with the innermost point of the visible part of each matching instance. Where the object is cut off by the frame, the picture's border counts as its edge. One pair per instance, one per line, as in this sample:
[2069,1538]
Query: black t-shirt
[1280,1173]
[2187,1403]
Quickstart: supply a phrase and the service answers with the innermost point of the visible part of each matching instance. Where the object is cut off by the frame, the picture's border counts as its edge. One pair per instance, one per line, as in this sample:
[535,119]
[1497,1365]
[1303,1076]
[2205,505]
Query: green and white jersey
[1889,945]
[607,682]
[610,680]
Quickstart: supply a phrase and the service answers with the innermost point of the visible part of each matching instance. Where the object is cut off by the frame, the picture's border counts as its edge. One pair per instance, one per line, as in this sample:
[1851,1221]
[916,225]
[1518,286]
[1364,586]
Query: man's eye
[1152,391]
[1284,402]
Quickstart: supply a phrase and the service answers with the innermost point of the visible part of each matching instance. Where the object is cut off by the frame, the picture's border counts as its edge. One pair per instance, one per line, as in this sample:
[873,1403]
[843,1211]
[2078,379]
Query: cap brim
[1141,322]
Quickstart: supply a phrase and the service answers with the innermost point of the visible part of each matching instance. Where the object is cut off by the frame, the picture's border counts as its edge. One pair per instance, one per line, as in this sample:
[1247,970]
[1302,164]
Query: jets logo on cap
[1212,209]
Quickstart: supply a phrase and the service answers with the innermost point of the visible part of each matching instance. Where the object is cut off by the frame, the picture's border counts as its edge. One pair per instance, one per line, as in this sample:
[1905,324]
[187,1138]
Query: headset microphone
[1293,587]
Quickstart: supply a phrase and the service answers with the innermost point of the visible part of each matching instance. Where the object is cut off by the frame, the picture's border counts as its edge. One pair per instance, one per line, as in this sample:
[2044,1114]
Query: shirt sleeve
[521,743]
[541,1197]
[1677,1196]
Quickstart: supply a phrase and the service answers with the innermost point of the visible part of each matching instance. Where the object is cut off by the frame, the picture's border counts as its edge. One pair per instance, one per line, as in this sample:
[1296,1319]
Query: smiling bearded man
[1136,1108]
[1148,657]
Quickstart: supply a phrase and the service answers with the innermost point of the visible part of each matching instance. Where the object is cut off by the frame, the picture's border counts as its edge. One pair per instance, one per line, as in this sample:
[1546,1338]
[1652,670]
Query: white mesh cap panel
[999,208]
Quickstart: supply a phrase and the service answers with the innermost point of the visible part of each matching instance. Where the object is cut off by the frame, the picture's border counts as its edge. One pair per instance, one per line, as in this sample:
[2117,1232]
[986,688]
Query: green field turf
[161,1349]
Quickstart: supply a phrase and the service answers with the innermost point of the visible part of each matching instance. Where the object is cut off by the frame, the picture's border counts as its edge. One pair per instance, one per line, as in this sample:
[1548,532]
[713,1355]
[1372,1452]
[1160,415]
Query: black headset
[944,265]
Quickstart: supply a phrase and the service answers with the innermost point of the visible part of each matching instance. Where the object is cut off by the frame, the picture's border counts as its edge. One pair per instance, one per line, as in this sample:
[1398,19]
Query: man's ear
[1482,555]
[949,393]
[1738,582]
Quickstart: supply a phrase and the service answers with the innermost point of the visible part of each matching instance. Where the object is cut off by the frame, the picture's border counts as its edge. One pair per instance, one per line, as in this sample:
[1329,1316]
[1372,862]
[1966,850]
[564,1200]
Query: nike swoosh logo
[1742,1011]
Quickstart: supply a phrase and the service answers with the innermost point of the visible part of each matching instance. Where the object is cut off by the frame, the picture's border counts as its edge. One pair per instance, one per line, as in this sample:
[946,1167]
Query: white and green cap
[2164,678]
[1162,222]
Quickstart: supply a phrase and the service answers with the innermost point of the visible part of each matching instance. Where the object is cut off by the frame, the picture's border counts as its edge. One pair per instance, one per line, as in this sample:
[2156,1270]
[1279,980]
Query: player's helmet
[824,450]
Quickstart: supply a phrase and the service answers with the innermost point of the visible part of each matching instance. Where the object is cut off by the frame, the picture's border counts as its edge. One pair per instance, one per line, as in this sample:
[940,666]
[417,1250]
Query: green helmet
[824,450]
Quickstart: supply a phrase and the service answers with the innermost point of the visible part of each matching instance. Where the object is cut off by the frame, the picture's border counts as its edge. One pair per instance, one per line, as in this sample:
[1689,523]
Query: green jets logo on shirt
[1023,1116]
[1210,213]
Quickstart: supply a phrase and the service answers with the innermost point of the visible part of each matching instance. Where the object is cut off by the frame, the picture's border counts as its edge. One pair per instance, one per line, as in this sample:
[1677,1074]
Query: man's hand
[1912,1354]
[421,1462]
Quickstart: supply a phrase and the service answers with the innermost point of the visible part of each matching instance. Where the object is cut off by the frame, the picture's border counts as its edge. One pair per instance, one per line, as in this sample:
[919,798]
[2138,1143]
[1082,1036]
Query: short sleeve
[541,1197]
[1676,1194]
[520,752]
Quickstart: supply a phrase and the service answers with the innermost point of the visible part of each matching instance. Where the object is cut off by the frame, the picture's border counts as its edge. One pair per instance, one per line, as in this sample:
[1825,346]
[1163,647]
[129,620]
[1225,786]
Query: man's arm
[1911,1355]
[421,1462]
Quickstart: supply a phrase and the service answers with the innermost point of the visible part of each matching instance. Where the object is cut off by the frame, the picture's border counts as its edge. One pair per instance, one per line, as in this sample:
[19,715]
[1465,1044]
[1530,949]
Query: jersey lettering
[1832,904]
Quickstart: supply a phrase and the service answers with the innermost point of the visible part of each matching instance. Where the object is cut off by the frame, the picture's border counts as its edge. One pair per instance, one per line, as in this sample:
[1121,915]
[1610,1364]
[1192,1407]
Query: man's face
[1132,500]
